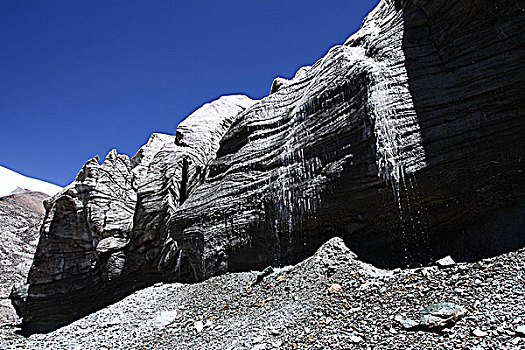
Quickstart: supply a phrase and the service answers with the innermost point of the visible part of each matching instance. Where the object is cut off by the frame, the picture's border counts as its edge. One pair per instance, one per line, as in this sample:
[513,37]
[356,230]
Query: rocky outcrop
[406,141]
[20,217]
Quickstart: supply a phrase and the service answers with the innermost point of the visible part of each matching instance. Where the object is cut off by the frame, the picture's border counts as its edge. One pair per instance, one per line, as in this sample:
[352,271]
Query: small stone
[257,340]
[408,323]
[479,333]
[334,288]
[165,318]
[277,343]
[441,315]
[356,339]
[266,272]
[199,326]
[446,262]
[520,331]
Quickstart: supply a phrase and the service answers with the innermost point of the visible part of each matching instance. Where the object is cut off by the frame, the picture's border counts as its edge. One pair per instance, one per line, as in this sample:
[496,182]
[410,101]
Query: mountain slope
[21,213]
[12,182]
[20,219]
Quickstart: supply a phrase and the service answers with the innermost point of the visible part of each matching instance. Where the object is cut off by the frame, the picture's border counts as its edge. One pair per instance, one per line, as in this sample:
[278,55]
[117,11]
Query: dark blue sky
[78,78]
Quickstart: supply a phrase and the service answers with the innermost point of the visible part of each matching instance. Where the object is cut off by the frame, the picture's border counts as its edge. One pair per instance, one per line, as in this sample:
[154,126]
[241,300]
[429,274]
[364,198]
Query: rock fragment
[479,333]
[356,339]
[264,273]
[434,318]
[441,315]
[446,262]
[408,323]
[199,326]
[334,288]
[520,331]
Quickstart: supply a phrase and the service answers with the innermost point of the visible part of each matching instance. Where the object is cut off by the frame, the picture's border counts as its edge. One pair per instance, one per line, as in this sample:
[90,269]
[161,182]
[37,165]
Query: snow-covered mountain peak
[12,182]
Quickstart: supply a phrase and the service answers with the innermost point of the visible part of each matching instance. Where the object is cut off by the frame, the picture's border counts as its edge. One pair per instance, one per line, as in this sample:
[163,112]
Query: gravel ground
[329,301]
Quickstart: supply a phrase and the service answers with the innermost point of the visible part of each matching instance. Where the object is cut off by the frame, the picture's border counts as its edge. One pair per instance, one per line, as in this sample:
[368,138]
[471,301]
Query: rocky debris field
[331,300]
